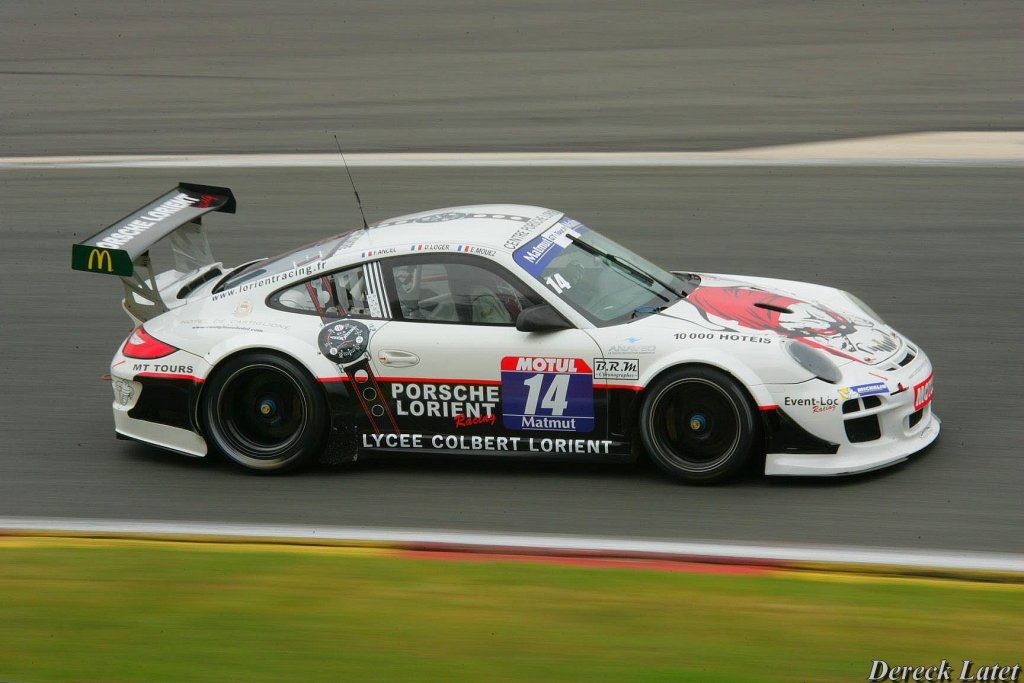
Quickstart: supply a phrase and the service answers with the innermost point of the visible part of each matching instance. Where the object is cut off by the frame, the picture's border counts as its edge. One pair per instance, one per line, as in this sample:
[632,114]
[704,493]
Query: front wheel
[698,425]
[264,412]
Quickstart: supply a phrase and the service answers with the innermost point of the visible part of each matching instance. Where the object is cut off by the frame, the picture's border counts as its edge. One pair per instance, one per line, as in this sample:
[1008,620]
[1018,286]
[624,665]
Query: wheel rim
[262,411]
[697,424]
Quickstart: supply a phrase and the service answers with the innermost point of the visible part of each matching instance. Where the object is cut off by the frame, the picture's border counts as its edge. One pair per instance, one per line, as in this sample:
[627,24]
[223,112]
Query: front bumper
[890,421]
[853,459]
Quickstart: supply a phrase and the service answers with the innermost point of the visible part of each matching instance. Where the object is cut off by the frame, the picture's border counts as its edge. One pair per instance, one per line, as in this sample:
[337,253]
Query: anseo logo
[924,392]
[100,256]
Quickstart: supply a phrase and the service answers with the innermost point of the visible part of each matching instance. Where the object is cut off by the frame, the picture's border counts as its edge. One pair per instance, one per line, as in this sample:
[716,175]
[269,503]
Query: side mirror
[541,318]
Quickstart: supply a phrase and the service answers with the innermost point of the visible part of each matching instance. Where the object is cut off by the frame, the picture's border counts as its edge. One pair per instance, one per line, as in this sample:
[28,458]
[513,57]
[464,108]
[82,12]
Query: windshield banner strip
[534,256]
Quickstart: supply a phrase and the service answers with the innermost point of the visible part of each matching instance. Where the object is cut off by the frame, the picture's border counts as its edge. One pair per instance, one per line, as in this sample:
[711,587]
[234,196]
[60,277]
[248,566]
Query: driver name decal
[549,394]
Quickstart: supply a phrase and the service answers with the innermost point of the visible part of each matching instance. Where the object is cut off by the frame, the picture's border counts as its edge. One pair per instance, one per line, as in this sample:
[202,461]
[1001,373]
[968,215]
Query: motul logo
[546,365]
[924,392]
[541,364]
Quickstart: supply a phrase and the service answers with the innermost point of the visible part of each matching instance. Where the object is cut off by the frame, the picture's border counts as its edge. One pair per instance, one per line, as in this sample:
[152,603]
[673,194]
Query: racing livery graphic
[502,330]
[345,342]
[756,309]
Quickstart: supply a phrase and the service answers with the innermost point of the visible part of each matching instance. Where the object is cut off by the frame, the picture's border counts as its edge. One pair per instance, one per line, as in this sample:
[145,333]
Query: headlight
[864,307]
[814,361]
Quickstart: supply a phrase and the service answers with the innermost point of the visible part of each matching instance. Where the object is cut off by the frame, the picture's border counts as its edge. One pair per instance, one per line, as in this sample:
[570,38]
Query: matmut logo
[542,364]
[924,392]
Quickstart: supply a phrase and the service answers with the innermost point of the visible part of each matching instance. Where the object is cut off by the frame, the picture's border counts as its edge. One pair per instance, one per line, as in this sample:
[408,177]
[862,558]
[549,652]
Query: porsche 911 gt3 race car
[496,330]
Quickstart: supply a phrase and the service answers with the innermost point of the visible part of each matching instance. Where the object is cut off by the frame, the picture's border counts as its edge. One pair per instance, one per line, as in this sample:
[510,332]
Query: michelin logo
[862,390]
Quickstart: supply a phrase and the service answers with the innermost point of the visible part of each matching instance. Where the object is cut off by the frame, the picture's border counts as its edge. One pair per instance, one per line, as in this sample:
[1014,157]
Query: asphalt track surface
[936,251]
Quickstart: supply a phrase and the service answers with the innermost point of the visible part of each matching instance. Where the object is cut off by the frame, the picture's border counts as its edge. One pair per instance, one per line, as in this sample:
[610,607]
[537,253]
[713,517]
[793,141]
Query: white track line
[922,559]
[938,149]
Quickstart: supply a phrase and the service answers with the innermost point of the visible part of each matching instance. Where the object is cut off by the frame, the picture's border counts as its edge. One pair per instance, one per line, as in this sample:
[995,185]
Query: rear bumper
[853,458]
[158,407]
[164,436]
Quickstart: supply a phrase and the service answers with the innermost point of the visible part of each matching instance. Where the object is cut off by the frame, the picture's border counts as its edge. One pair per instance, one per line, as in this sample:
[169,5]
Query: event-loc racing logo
[817,405]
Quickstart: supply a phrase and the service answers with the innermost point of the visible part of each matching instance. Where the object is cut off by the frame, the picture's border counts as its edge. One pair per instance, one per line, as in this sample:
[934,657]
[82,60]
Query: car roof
[491,230]
[496,226]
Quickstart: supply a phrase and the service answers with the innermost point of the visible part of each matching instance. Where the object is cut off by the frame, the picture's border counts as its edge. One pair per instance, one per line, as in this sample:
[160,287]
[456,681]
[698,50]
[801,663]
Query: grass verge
[137,610]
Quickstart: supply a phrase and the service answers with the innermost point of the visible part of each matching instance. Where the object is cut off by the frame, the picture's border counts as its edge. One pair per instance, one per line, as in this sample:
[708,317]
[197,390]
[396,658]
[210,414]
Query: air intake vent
[915,417]
[198,282]
[906,359]
[861,429]
[770,307]
[871,402]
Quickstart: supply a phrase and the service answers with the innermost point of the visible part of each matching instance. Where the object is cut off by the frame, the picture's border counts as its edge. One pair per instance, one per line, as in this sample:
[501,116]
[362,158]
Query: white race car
[496,330]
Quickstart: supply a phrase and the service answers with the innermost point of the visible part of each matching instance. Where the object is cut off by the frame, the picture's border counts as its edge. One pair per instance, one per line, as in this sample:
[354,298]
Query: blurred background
[936,250]
[189,77]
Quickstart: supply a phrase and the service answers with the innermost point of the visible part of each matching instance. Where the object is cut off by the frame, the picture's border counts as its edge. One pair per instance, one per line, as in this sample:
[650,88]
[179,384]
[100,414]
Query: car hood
[821,317]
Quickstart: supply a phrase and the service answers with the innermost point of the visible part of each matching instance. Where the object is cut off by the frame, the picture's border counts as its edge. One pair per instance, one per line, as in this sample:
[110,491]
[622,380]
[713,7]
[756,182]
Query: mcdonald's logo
[101,256]
[96,259]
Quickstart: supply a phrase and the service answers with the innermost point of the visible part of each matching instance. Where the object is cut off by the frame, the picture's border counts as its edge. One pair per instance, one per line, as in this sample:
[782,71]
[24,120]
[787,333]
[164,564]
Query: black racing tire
[698,424]
[264,412]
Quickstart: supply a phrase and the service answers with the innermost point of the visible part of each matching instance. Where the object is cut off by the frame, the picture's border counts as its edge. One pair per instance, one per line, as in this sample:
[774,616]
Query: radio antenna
[359,202]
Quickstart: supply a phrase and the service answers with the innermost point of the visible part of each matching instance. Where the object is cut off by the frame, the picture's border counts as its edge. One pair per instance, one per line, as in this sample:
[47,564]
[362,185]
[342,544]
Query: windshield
[311,253]
[604,281]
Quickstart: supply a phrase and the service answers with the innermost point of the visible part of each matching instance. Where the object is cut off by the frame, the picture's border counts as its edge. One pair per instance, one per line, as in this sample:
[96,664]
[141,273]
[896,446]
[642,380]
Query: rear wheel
[698,425]
[264,412]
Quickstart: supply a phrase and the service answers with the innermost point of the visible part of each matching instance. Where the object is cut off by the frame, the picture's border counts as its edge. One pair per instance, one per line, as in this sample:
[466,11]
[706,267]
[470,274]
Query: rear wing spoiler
[122,249]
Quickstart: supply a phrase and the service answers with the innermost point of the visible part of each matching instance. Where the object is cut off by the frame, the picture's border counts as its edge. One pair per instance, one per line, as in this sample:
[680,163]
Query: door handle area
[397,359]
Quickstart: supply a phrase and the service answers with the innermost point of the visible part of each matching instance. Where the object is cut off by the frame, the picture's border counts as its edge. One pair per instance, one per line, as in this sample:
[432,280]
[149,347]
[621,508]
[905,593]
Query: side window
[448,289]
[334,295]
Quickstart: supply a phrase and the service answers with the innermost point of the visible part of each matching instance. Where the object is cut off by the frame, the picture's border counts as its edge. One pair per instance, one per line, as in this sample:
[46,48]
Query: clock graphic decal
[346,342]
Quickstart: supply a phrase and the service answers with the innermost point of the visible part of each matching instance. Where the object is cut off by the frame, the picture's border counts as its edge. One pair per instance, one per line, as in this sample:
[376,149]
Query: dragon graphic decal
[809,323]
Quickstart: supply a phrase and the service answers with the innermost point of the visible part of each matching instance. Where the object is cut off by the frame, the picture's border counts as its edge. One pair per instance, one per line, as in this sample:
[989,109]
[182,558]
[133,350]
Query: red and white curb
[772,555]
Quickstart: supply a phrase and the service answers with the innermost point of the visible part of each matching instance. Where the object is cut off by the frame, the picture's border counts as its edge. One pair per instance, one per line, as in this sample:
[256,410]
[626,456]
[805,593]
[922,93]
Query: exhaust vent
[198,282]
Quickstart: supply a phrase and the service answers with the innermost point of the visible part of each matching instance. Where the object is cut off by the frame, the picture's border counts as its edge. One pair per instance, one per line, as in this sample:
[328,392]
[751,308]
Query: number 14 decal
[557,283]
[554,399]
[549,394]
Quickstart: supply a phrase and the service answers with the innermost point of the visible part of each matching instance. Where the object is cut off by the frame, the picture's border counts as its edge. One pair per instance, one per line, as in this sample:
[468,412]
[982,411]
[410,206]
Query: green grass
[137,611]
